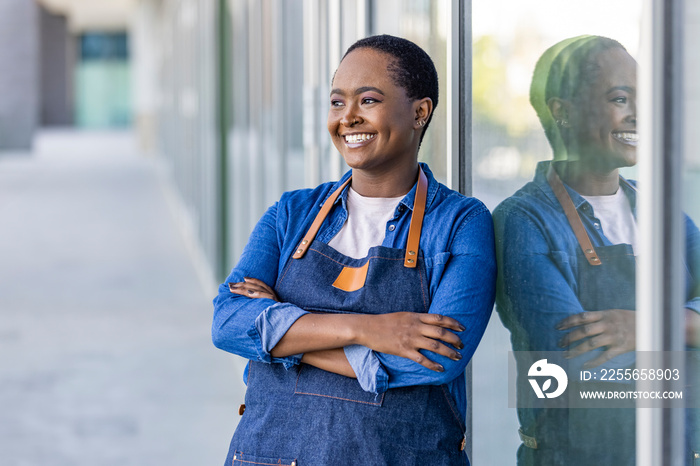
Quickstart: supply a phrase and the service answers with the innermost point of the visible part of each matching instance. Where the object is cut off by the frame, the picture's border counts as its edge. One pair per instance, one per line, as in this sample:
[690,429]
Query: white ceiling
[93,14]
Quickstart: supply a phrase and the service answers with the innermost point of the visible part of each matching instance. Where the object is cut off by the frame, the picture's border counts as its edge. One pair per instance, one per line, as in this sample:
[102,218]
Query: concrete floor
[105,348]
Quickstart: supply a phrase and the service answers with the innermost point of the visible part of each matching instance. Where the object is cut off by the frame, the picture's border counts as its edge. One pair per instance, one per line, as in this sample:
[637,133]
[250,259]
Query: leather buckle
[530,442]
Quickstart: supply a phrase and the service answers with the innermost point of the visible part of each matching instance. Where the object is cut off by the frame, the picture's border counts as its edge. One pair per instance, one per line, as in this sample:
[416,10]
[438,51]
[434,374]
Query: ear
[559,108]
[423,108]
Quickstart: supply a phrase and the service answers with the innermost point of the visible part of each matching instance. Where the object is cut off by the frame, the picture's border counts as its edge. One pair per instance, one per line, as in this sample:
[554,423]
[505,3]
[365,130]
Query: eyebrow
[631,90]
[359,90]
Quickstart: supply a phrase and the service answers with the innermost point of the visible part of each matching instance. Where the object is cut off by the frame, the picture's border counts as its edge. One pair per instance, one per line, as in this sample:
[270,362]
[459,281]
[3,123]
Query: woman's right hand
[405,333]
[612,330]
[253,288]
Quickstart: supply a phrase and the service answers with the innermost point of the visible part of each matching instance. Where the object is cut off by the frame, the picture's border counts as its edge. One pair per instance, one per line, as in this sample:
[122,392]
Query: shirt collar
[629,188]
[406,201]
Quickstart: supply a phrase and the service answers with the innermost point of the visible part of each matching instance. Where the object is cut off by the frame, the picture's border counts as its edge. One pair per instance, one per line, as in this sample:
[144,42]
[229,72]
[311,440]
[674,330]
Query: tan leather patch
[351,278]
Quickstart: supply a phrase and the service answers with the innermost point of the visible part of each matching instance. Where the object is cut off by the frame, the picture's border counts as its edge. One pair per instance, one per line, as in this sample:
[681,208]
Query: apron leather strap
[410,259]
[572,215]
[311,234]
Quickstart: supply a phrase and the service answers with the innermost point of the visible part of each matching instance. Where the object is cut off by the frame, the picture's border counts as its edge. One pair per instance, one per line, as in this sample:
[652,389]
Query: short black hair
[412,68]
[578,69]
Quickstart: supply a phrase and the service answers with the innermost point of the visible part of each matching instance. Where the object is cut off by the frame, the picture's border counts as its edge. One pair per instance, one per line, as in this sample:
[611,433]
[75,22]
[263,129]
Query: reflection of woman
[566,248]
[371,292]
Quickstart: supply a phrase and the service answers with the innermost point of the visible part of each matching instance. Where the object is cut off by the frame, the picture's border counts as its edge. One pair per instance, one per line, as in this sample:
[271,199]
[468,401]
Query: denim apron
[589,436]
[307,416]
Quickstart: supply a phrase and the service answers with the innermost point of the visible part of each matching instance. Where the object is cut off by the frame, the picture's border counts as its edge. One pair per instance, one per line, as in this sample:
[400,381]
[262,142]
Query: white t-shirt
[366,224]
[616,218]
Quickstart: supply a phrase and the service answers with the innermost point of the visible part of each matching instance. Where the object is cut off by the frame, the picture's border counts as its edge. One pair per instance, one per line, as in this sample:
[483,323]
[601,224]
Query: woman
[360,302]
[574,229]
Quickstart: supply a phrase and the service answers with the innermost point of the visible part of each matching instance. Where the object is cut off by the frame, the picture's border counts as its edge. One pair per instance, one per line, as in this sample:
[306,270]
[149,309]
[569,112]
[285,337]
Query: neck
[395,182]
[589,182]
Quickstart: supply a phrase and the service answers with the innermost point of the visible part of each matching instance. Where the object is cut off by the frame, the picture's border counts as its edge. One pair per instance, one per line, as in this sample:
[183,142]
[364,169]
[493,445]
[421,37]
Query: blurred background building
[229,98]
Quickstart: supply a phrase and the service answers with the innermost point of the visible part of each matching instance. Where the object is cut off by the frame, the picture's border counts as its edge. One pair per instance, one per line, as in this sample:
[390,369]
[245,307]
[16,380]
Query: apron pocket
[317,382]
[241,459]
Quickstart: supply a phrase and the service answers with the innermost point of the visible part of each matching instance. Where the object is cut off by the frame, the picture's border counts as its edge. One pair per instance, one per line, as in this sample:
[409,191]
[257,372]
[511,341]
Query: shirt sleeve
[252,327]
[465,292]
[370,373]
[534,292]
[536,289]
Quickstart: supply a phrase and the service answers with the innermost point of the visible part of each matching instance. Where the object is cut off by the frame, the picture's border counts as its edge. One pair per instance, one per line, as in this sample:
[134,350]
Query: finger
[598,341]
[585,331]
[255,281]
[251,286]
[581,318]
[233,285]
[442,321]
[442,334]
[423,361]
[262,285]
[436,347]
[240,291]
[251,292]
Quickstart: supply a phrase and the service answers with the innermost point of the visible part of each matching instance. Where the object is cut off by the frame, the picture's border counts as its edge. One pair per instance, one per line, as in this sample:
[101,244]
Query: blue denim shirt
[458,246]
[537,283]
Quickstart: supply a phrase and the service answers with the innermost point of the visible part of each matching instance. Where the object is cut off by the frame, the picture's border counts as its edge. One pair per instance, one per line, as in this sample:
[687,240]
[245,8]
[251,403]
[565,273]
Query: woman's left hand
[612,329]
[253,288]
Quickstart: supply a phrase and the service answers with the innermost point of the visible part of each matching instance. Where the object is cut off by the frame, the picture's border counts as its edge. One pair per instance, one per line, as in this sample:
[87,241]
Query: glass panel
[690,205]
[237,151]
[543,278]
[265,137]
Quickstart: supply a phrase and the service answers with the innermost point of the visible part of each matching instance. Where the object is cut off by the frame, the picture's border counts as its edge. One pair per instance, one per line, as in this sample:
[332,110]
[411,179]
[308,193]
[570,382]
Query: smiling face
[603,117]
[371,120]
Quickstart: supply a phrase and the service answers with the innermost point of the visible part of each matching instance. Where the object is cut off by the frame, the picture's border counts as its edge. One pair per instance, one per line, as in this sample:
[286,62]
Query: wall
[19,73]
[58,55]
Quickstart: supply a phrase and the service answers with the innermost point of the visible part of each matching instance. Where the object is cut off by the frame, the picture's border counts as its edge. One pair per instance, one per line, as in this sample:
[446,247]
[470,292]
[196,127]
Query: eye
[336,103]
[620,100]
[369,100]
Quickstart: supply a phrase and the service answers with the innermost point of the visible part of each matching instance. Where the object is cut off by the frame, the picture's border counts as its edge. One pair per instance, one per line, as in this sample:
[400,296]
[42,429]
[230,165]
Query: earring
[421,123]
[563,123]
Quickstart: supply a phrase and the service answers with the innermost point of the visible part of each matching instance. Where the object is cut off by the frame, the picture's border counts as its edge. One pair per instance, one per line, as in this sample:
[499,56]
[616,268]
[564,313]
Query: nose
[632,115]
[350,116]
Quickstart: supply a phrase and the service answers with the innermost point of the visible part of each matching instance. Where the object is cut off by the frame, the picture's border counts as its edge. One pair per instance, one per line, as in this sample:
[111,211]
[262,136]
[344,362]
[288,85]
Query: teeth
[356,138]
[627,137]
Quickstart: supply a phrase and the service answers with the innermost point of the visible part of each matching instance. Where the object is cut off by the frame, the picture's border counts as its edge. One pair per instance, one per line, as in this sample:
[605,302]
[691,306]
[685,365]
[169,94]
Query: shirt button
[392,227]
[402,208]
[597,225]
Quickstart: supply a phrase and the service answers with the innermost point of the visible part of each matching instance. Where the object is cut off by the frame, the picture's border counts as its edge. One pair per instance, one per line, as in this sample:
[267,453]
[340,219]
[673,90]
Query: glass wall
[187,65]
[508,144]
[691,117]
[690,195]
[267,111]
[278,60]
